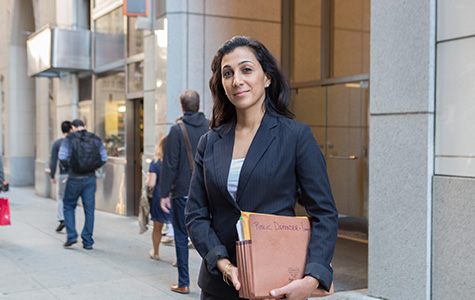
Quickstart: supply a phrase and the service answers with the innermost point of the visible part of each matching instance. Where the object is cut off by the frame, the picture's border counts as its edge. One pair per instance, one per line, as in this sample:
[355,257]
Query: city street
[34,264]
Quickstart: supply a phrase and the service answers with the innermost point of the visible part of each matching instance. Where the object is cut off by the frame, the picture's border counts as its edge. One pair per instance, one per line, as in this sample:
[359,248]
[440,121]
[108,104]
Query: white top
[233,178]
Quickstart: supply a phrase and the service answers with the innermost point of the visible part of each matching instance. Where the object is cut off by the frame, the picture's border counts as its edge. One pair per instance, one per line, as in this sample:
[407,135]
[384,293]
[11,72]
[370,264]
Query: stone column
[401,148]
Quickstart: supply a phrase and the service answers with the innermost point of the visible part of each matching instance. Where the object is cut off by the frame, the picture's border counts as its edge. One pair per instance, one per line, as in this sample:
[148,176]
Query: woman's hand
[297,289]
[224,265]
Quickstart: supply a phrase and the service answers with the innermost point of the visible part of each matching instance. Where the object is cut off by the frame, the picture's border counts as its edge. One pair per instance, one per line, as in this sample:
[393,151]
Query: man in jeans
[80,184]
[63,173]
[175,176]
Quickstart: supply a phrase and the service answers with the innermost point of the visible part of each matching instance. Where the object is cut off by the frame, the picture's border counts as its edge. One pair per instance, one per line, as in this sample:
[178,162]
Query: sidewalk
[34,264]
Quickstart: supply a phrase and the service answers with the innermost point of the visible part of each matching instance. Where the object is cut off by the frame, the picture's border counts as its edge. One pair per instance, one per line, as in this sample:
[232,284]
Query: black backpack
[85,153]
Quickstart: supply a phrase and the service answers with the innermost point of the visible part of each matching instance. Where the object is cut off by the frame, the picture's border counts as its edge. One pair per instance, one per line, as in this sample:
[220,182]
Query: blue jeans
[86,188]
[181,240]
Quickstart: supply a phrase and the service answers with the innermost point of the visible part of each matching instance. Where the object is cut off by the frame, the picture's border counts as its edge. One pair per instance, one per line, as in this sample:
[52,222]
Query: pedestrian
[253,159]
[63,172]
[83,152]
[175,177]
[159,217]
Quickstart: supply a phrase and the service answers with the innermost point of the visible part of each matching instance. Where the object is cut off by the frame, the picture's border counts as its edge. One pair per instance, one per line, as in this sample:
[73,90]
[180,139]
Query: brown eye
[227,74]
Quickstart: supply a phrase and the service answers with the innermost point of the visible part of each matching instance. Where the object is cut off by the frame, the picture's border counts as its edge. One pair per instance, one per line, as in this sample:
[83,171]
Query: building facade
[386,86]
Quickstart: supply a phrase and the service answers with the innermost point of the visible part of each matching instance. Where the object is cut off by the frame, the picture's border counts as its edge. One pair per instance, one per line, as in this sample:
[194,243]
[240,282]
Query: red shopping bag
[4,212]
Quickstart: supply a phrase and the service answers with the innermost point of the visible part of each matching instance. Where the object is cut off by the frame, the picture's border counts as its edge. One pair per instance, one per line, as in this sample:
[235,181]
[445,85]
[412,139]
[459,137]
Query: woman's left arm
[198,218]
[318,201]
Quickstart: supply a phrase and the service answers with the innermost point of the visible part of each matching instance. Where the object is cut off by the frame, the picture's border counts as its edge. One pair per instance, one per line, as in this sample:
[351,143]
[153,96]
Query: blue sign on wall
[135,8]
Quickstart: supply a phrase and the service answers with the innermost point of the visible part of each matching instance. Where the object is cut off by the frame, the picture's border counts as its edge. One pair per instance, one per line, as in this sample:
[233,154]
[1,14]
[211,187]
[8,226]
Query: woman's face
[243,79]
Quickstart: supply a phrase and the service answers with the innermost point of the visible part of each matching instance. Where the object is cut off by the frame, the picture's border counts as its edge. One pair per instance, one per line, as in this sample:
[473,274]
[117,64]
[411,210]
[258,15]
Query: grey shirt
[54,159]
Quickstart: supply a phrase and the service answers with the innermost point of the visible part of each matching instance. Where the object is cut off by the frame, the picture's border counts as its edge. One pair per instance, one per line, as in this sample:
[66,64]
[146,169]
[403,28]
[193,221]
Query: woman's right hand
[224,265]
[165,204]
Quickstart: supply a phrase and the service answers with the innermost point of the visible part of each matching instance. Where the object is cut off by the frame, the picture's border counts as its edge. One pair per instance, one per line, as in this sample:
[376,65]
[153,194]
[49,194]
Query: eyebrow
[241,63]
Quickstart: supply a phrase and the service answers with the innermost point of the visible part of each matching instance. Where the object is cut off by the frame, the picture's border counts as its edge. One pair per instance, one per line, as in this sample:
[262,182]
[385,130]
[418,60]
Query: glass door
[338,117]
[346,146]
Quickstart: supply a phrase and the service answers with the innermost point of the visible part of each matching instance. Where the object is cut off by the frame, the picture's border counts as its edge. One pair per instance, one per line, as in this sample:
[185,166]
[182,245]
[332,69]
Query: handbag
[149,193]
[4,212]
[144,210]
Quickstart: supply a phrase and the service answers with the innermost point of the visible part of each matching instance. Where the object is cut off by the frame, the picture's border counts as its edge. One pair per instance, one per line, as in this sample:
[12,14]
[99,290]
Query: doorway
[338,117]
[134,150]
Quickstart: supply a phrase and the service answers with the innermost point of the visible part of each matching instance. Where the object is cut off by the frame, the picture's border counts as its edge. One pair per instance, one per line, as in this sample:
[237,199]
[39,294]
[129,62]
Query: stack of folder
[271,253]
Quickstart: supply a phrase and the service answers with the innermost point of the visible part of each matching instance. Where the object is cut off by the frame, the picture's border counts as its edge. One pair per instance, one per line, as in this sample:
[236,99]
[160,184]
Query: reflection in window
[109,38]
[110,112]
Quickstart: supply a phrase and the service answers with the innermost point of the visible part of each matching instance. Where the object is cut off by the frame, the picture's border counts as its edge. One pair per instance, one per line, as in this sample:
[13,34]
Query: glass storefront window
[111,112]
[109,38]
[307,41]
[135,77]
[85,88]
[135,38]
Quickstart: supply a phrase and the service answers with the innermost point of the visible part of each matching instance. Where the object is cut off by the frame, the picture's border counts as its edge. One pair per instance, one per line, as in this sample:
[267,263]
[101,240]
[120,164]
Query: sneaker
[60,226]
[87,247]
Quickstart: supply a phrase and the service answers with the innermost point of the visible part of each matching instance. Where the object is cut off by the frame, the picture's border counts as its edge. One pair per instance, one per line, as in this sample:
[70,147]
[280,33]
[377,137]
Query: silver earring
[267,85]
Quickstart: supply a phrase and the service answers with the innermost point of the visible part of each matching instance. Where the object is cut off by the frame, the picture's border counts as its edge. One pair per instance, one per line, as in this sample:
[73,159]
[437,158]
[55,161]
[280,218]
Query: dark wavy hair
[278,94]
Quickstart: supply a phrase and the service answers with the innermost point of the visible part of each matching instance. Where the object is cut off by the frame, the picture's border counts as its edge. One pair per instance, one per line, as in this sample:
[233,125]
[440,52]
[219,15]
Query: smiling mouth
[240,93]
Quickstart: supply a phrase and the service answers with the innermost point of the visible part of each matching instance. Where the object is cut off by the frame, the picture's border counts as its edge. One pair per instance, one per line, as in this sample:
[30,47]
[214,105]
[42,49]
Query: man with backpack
[83,152]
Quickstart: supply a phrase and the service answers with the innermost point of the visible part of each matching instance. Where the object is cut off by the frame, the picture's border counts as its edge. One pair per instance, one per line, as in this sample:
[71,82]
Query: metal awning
[52,50]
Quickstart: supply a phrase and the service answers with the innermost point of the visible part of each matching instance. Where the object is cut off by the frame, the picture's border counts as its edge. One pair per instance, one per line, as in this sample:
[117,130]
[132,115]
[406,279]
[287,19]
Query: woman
[159,217]
[253,159]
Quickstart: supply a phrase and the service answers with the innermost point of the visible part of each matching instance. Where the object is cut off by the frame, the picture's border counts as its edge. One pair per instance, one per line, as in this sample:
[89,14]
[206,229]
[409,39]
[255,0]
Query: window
[351,36]
[135,77]
[307,40]
[330,39]
[135,40]
[111,112]
[109,38]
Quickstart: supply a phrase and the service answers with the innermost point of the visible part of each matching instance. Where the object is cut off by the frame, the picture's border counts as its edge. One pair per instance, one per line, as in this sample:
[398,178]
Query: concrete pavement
[34,264]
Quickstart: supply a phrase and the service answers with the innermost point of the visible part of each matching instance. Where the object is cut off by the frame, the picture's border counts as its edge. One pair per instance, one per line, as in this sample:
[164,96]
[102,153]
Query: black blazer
[282,156]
